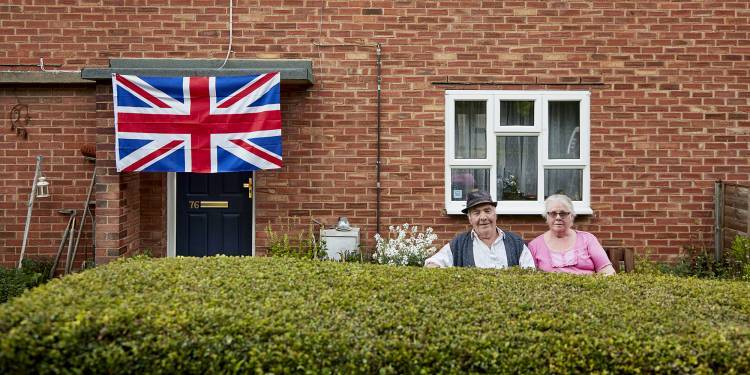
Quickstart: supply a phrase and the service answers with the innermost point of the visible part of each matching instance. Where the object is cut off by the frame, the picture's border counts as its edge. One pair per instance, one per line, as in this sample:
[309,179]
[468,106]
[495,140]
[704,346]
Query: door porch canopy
[293,72]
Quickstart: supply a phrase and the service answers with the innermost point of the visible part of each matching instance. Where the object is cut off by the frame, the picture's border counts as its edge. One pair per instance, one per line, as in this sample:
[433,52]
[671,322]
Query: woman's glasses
[562,214]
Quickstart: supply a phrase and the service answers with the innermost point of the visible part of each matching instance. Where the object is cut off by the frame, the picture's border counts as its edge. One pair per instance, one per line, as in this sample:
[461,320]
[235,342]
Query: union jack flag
[197,124]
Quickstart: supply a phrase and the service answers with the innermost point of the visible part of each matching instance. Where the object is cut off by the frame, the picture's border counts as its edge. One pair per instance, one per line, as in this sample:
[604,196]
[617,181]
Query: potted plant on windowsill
[510,189]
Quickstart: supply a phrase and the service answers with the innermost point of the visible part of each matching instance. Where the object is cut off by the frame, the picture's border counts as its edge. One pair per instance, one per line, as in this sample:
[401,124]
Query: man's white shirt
[484,257]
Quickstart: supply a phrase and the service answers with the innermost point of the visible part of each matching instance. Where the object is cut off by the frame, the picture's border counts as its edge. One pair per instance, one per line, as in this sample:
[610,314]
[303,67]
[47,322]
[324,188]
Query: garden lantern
[42,188]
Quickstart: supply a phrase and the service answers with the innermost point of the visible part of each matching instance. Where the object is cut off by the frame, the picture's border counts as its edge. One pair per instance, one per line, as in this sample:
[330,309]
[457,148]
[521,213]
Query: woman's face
[559,217]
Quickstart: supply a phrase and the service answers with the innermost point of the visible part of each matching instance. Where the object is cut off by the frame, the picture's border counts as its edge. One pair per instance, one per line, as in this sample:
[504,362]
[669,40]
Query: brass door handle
[249,186]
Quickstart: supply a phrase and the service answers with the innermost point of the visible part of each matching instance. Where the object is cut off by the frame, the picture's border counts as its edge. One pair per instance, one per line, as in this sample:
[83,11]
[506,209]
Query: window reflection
[466,180]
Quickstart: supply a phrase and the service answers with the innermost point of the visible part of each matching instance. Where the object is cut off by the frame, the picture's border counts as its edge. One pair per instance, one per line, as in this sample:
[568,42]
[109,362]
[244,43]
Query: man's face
[483,219]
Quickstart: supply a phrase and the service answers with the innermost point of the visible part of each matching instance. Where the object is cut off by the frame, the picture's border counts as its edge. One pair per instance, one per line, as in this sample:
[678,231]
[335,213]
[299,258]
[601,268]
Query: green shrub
[702,263]
[40,265]
[697,261]
[739,258]
[645,265]
[13,282]
[357,255]
[305,246]
[145,253]
[283,315]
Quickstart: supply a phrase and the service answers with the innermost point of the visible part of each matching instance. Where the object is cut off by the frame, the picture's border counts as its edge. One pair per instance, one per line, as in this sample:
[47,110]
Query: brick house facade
[668,81]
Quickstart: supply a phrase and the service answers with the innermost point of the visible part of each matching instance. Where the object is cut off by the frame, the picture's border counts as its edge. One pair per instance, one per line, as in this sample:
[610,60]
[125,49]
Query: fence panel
[735,213]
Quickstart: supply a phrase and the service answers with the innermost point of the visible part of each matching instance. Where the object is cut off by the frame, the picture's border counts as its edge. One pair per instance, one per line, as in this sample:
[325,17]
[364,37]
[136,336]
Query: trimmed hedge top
[230,314]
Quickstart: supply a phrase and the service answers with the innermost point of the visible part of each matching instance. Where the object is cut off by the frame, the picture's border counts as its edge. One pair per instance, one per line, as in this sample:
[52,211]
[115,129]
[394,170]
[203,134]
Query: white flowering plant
[510,184]
[405,246]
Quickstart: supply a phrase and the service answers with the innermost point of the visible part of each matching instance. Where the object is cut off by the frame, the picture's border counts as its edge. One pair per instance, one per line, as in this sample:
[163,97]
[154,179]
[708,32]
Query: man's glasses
[562,214]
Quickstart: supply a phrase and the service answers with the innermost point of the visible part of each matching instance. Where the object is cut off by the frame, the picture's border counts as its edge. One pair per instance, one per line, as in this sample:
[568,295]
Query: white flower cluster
[511,182]
[405,246]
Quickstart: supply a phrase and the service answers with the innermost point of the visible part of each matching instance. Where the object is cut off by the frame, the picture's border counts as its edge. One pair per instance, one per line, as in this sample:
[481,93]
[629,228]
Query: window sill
[518,208]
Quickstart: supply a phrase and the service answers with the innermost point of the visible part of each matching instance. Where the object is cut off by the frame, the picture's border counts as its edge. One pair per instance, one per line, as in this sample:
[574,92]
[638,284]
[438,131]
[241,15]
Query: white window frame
[540,129]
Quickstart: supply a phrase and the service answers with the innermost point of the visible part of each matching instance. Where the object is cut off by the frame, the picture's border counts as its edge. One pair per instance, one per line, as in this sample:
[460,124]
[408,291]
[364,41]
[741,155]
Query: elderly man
[485,246]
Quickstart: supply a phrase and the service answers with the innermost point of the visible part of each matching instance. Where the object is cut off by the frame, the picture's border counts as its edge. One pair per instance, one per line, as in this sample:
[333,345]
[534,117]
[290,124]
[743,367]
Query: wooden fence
[732,205]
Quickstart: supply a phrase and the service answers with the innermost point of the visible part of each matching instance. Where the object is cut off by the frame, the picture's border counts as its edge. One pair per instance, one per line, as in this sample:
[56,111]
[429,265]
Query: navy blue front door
[214,214]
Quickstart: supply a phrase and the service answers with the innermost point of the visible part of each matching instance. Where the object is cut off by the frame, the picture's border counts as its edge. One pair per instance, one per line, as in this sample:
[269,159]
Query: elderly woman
[564,249]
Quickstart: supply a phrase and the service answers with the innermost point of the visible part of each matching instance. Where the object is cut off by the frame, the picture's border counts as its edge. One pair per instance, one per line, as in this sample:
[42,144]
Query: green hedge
[284,315]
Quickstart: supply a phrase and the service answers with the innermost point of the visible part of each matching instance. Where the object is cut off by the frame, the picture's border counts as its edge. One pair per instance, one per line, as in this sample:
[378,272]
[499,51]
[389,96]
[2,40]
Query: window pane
[564,130]
[465,180]
[563,181]
[471,133]
[517,168]
[516,113]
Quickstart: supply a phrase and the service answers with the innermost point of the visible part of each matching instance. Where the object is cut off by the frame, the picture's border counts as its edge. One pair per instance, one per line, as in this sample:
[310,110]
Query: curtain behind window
[517,167]
[564,134]
[516,113]
[564,143]
[471,129]
[564,181]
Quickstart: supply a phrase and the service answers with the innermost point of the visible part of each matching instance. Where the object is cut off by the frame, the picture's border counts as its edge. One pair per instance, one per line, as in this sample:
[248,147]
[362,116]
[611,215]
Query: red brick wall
[132,214]
[153,218]
[670,118]
[61,120]
[118,194]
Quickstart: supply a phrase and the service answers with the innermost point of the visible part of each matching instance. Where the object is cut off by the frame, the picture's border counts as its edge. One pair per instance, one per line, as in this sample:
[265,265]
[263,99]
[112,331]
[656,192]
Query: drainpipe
[377,162]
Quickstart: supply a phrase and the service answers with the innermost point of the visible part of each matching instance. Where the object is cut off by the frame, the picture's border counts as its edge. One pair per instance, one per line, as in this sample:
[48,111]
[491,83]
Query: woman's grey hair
[560,198]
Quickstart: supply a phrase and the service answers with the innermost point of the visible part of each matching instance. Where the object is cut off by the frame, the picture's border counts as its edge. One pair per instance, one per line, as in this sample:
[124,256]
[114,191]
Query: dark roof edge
[292,71]
[40,77]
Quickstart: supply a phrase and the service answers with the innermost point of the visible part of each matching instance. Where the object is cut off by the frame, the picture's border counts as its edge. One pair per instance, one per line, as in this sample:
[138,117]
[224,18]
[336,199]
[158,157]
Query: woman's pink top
[585,257]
